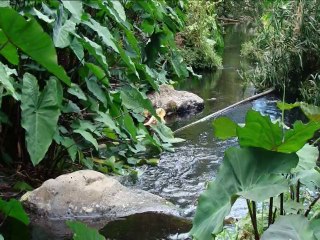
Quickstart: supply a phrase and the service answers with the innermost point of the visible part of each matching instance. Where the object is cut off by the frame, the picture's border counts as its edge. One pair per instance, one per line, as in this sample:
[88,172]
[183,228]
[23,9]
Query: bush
[74,76]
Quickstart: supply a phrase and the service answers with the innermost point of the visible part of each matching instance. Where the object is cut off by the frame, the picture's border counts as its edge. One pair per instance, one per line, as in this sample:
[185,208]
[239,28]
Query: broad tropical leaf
[252,173]
[74,7]
[260,131]
[21,33]
[224,128]
[8,50]
[40,113]
[294,227]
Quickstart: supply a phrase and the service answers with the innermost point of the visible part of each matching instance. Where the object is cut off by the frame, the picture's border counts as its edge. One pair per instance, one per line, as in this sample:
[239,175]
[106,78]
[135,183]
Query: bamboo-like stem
[253,216]
[281,204]
[274,215]
[298,191]
[270,211]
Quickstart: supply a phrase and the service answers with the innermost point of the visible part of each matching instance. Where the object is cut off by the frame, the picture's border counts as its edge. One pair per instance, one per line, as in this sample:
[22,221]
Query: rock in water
[88,193]
[173,101]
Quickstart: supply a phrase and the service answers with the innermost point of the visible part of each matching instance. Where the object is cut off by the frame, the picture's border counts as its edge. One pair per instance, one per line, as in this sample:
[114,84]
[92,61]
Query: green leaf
[119,9]
[253,173]
[294,227]
[77,48]
[287,106]
[224,128]
[40,113]
[296,138]
[21,33]
[88,137]
[1,237]
[8,50]
[260,131]
[14,209]
[22,186]
[128,61]
[83,232]
[75,90]
[311,111]
[179,66]
[103,32]
[71,147]
[97,90]
[62,32]
[108,121]
[7,81]
[147,26]
[74,7]
[96,51]
[308,157]
[315,223]
[128,124]
[99,73]
[132,99]
[41,16]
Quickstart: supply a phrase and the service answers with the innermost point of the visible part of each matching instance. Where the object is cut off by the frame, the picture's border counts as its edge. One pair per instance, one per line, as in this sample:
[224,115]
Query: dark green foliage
[14,209]
[201,41]
[74,77]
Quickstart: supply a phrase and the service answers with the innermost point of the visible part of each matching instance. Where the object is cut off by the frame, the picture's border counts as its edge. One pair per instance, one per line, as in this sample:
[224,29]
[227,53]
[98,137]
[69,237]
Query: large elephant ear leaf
[29,37]
[295,227]
[253,173]
[40,113]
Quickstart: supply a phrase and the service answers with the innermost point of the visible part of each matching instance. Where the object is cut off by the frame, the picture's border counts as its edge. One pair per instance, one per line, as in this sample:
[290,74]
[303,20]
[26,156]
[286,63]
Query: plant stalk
[281,204]
[298,191]
[253,216]
[270,211]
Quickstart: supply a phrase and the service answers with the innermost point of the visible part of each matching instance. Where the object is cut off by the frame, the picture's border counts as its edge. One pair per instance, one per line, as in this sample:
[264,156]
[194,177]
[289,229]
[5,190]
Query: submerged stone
[91,194]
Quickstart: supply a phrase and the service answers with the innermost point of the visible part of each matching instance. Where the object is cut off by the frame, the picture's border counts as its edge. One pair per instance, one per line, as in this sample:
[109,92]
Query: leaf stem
[298,191]
[253,216]
[270,211]
[281,204]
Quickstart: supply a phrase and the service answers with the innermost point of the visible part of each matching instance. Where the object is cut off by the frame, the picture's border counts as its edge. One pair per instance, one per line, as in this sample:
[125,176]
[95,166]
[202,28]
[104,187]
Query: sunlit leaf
[224,128]
[249,172]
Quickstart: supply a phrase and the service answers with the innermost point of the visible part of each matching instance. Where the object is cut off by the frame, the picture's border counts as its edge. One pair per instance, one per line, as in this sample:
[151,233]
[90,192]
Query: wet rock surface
[90,194]
[173,101]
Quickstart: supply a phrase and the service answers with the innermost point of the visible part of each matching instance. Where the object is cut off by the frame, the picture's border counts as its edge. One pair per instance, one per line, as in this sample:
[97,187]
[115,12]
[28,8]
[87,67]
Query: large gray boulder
[173,101]
[88,193]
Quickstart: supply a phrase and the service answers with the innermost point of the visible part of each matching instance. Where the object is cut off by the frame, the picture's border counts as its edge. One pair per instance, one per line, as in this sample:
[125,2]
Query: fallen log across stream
[218,113]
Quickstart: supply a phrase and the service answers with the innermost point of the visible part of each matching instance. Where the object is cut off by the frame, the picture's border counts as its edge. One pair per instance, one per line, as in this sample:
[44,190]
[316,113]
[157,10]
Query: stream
[182,175]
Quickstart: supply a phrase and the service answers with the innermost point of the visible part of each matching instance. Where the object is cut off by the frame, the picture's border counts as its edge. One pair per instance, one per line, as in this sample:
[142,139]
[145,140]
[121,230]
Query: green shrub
[74,76]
